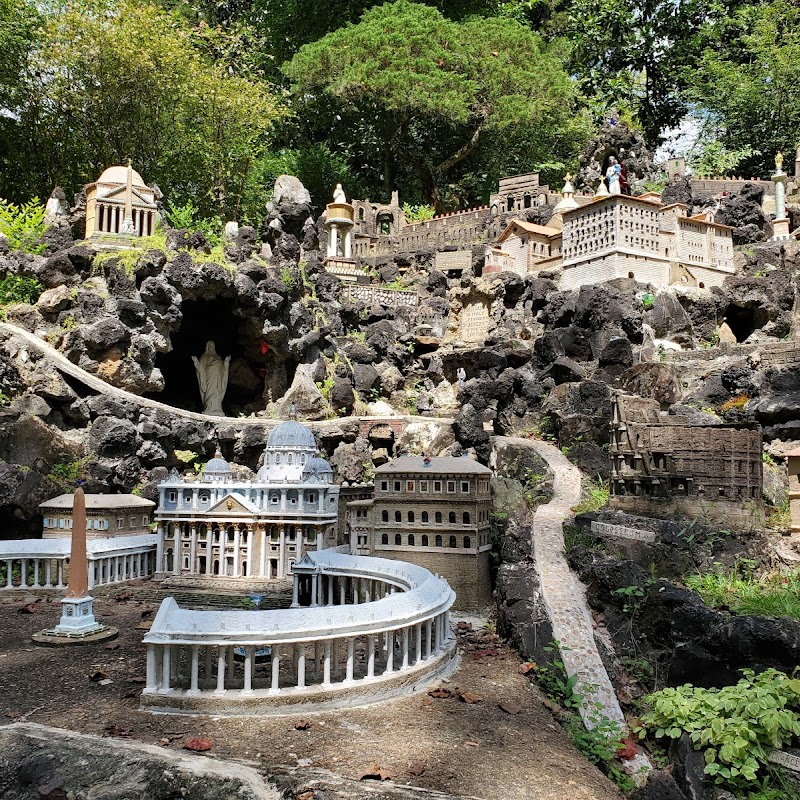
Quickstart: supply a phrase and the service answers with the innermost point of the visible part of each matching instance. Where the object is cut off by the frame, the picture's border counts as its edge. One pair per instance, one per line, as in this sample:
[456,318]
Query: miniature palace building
[119,203]
[216,525]
[434,512]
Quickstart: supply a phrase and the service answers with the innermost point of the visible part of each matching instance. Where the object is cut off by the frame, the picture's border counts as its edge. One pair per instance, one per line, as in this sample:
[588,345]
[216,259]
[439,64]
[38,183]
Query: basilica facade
[218,526]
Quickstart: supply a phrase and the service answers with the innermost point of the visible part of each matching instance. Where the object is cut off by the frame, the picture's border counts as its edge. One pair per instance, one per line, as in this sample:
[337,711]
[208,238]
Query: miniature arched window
[438,541]
[229,532]
[361,214]
[467,543]
[385,222]
[273,531]
[278,458]
[526,200]
[385,538]
[424,541]
[411,540]
[398,517]
[411,516]
[398,539]
[438,516]
[451,517]
[290,458]
[453,542]
[466,517]
[385,516]
[510,203]
[425,516]
[243,535]
[292,532]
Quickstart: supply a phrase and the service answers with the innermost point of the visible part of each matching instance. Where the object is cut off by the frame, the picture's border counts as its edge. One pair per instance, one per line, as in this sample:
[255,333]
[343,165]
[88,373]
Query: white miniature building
[119,202]
[529,247]
[617,236]
[107,515]
[216,525]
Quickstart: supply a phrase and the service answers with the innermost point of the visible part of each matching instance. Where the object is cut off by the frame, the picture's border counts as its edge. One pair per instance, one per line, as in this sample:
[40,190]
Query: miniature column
[194,686]
[389,652]
[295,590]
[165,667]
[193,552]
[249,658]
[326,664]
[276,669]
[220,670]
[418,643]
[351,646]
[404,639]
[152,668]
[160,549]
[370,656]
[236,544]
[282,553]
[780,225]
[428,631]
[301,665]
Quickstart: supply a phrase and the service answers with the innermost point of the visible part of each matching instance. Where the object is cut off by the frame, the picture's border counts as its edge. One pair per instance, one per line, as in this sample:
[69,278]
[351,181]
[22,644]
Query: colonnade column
[263,546]
[160,549]
[152,668]
[326,664]
[418,643]
[351,646]
[301,665]
[295,590]
[404,639]
[276,669]
[165,668]
[282,553]
[220,670]
[428,631]
[237,535]
[370,656]
[194,687]
[193,552]
[389,652]
[249,658]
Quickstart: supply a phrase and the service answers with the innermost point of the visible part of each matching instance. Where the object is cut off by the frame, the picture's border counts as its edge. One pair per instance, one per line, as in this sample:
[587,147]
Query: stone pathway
[564,596]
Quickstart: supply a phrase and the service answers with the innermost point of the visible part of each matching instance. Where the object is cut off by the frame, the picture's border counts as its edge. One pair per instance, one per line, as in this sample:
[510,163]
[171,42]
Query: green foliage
[776,596]
[419,213]
[434,86]
[19,289]
[747,82]
[735,726]
[104,81]
[633,596]
[287,277]
[185,217]
[127,260]
[67,473]
[23,225]
[554,681]
[715,158]
[595,496]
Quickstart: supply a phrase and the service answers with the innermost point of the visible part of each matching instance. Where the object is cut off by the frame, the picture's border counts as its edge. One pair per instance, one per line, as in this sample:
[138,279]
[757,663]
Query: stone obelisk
[77,618]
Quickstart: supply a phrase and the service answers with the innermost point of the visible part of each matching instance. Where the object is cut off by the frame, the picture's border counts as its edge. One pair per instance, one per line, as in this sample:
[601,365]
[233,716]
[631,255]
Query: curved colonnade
[375,629]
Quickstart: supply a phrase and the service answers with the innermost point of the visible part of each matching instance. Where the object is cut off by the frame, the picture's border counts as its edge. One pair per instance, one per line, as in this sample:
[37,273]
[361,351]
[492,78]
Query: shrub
[595,497]
[23,225]
[418,213]
[19,289]
[734,726]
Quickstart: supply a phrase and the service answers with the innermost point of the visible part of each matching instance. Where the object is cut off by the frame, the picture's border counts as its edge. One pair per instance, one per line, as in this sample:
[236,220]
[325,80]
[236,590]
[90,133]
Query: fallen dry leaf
[28,608]
[417,769]
[510,708]
[309,795]
[145,625]
[627,750]
[470,697]
[98,676]
[426,701]
[375,773]
[440,693]
[302,725]
[199,744]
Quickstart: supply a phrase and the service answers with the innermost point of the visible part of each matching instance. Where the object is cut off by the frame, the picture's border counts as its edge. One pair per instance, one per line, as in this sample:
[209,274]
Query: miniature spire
[602,189]
[127,220]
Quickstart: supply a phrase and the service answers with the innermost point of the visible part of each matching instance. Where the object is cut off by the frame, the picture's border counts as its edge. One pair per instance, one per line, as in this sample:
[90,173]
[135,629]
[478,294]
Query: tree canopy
[432,86]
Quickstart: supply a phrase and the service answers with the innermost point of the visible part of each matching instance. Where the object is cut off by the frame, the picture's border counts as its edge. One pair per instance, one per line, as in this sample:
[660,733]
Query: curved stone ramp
[564,597]
[63,364]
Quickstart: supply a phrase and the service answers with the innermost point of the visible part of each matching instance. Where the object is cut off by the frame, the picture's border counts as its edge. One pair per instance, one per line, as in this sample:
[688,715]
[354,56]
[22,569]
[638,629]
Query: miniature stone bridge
[366,424]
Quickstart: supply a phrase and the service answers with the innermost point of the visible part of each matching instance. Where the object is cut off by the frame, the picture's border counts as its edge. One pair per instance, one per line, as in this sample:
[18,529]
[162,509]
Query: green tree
[111,81]
[431,88]
[748,81]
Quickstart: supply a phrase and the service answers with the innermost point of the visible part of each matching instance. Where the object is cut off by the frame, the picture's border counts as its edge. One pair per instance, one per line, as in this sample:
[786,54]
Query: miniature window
[131,522]
[466,518]
[312,497]
[453,542]
[172,497]
[437,486]
[273,532]
[120,522]
[451,487]
[204,498]
[274,499]
[438,541]
[384,486]
[411,516]
[311,535]
[451,517]
[398,539]
[385,538]
[425,516]
[409,486]
[467,543]
[398,517]
[438,516]
[290,458]
[278,458]
[465,486]
[411,540]
[385,516]
[424,541]
[423,486]
[397,486]
[292,533]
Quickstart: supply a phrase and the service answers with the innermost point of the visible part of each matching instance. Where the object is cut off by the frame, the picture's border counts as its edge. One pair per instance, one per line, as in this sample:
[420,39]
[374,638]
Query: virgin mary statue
[212,377]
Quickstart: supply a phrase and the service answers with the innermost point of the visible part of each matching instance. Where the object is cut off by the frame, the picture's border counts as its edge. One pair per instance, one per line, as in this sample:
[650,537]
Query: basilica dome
[291,434]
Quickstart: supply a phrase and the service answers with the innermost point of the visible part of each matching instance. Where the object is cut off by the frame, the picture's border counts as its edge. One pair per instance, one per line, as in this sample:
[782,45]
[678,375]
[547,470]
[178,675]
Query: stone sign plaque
[607,529]
[454,259]
[785,759]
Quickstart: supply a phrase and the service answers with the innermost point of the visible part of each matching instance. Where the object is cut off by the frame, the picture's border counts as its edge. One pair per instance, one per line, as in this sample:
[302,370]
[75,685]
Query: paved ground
[480,749]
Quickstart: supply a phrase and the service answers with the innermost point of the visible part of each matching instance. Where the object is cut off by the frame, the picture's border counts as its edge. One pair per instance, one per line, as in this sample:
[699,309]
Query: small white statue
[338,194]
[613,175]
[212,378]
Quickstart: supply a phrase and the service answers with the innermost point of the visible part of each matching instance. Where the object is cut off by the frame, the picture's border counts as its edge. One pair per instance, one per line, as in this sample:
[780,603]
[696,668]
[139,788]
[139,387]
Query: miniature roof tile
[99,502]
[529,227]
[446,465]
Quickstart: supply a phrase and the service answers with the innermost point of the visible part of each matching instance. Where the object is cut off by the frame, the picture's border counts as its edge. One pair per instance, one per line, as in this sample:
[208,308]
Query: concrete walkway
[564,597]
[63,364]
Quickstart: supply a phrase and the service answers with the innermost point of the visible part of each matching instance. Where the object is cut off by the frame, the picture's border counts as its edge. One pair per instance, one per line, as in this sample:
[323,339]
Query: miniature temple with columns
[218,526]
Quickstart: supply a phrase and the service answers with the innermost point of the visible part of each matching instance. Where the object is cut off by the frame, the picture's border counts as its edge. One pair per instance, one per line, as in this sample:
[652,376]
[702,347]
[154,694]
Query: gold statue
[779,161]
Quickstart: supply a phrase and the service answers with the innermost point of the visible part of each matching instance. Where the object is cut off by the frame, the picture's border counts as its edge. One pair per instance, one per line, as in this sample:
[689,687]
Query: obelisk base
[77,625]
